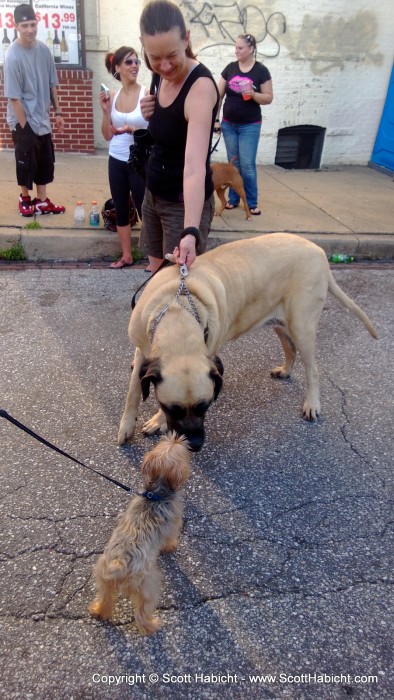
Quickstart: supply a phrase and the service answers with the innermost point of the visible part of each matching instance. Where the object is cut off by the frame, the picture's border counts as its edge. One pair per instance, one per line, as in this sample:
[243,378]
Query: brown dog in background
[226,175]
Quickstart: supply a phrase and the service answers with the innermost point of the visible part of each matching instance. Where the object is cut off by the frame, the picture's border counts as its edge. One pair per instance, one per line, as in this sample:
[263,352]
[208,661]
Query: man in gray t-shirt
[30,82]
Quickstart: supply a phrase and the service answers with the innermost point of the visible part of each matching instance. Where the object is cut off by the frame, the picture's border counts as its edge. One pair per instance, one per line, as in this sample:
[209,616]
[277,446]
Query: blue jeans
[242,141]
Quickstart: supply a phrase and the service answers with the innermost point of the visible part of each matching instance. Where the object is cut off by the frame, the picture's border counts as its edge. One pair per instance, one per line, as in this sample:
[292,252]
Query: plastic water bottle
[79,214]
[94,216]
[341,258]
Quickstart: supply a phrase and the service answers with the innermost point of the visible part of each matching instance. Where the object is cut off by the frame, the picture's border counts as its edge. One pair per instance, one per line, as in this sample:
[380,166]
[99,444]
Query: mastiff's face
[185,387]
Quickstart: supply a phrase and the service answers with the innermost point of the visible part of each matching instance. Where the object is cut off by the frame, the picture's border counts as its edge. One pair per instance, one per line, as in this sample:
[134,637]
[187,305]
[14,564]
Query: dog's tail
[337,292]
[233,159]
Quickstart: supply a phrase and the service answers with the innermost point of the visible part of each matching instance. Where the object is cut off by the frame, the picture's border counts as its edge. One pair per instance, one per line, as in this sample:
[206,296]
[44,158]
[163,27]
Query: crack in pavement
[347,423]
[264,591]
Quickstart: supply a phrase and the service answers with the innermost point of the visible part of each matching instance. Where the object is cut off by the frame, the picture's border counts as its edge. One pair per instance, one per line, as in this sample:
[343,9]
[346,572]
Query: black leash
[165,263]
[4,414]
[214,148]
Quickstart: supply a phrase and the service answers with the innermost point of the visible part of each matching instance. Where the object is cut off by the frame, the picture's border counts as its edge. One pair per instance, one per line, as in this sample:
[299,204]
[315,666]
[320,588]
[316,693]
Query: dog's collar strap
[182,291]
[157,321]
[151,496]
[162,493]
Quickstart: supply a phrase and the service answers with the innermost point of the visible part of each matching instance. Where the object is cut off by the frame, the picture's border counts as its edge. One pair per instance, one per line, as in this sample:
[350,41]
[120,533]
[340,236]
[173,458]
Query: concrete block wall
[330,63]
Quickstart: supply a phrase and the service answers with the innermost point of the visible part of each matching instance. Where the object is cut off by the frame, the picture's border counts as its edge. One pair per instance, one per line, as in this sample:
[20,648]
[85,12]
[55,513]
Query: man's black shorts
[34,155]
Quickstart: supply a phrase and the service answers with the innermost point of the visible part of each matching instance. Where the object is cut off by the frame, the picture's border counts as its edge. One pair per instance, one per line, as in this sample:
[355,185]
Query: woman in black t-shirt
[245,85]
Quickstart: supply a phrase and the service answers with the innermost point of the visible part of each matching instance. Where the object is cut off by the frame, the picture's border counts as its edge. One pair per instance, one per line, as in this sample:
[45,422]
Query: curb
[87,245]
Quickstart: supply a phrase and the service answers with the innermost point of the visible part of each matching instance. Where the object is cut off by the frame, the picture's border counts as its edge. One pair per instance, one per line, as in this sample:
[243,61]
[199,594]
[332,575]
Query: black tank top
[168,127]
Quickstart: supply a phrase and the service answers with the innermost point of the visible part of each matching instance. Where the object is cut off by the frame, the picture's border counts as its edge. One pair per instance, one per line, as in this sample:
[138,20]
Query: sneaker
[47,207]
[26,206]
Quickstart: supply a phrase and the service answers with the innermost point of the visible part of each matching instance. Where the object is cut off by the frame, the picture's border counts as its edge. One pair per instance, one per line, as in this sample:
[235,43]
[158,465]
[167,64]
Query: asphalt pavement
[281,587]
[345,209]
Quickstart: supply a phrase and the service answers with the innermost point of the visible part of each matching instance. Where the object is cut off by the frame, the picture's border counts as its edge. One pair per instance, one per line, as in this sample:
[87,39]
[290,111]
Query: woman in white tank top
[121,117]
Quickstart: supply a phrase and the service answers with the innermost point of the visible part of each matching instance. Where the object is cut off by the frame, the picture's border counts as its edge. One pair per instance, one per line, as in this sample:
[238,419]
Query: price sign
[57,28]
[6,19]
[7,28]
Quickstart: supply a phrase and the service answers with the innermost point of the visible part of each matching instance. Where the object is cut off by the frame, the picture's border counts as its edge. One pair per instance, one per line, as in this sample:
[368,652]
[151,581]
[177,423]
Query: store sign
[58,28]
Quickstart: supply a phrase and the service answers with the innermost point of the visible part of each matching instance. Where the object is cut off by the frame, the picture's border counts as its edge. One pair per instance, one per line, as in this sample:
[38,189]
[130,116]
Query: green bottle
[341,258]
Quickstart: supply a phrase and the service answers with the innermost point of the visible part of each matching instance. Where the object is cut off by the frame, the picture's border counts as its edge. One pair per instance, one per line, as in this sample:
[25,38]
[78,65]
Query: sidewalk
[349,209]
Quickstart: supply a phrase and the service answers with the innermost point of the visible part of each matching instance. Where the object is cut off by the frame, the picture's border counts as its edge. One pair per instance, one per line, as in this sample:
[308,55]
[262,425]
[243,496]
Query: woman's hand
[186,252]
[147,106]
[249,92]
[126,129]
[105,103]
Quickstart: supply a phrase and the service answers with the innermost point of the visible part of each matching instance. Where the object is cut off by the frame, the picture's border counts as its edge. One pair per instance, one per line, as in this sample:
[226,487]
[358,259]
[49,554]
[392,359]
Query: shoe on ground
[26,206]
[47,207]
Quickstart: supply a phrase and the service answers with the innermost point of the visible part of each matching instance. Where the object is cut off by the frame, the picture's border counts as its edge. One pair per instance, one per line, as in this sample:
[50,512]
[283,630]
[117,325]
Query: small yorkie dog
[150,525]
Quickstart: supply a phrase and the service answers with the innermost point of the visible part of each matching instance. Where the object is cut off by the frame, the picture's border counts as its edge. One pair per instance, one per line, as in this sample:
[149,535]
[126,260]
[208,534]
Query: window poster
[58,28]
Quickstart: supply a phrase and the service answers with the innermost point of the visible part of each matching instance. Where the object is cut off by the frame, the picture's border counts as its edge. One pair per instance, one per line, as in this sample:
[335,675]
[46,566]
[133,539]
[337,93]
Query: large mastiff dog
[277,280]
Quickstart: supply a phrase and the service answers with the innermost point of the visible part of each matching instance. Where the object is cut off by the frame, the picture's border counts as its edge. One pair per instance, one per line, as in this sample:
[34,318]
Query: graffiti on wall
[326,42]
[220,23]
[331,42]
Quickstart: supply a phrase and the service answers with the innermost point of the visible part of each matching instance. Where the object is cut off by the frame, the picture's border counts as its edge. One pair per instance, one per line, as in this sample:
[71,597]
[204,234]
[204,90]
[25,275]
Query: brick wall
[75,98]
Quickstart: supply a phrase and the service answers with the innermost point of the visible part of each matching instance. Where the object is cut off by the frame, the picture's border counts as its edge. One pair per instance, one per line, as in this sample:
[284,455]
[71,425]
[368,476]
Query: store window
[59,27]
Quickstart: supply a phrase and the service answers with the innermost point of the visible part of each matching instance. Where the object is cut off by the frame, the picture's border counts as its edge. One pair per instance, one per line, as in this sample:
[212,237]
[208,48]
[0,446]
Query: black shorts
[34,155]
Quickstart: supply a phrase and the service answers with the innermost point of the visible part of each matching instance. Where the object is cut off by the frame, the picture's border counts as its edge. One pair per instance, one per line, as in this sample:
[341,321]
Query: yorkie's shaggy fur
[150,525]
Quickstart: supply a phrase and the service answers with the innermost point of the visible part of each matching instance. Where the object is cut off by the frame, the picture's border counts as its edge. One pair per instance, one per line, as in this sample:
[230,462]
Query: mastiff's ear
[149,372]
[216,374]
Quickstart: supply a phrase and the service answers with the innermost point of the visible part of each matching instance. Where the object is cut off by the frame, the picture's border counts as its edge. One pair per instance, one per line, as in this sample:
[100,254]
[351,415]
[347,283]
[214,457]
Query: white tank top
[119,146]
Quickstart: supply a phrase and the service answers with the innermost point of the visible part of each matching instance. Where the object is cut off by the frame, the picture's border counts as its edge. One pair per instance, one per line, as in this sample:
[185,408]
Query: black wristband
[191,231]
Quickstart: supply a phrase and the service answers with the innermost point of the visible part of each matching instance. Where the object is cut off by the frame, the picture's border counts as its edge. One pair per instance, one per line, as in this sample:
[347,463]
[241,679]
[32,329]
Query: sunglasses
[132,62]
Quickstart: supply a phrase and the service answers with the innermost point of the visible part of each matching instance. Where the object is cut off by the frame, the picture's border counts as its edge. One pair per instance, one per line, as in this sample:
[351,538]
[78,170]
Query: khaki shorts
[163,223]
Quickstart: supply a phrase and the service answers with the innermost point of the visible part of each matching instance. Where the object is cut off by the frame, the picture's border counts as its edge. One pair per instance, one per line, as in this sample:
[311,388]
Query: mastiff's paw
[126,430]
[157,424]
[280,372]
[311,411]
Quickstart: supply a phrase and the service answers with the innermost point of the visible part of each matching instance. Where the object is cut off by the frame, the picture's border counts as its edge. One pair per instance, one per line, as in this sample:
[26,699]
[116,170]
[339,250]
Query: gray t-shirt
[29,73]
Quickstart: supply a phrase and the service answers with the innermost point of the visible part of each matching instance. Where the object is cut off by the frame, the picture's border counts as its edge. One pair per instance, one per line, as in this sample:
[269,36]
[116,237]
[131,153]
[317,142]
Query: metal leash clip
[184,271]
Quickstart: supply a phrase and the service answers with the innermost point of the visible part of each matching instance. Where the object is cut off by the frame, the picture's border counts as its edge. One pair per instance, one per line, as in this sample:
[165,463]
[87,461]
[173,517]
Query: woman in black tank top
[178,204]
